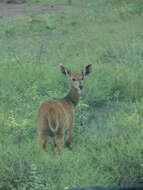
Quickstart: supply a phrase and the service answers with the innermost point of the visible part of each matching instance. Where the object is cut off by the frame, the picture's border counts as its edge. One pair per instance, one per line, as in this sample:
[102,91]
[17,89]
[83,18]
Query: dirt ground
[19,9]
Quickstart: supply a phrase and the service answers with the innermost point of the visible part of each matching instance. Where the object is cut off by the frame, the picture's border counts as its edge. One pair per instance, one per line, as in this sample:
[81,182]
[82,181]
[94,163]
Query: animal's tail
[53,121]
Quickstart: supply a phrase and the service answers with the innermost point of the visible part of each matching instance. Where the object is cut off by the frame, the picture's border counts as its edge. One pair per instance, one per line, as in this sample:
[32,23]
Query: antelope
[56,116]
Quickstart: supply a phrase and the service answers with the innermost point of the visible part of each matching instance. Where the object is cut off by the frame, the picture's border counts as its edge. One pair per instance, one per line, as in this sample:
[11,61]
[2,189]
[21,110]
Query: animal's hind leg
[59,142]
[42,141]
[69,139]
[42,133]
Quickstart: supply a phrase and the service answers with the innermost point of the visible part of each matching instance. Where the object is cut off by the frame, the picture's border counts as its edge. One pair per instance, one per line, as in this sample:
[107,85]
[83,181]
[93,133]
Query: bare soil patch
[19,9]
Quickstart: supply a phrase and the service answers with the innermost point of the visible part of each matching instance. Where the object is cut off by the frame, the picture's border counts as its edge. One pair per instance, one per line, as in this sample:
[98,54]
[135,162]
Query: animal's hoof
[68,145]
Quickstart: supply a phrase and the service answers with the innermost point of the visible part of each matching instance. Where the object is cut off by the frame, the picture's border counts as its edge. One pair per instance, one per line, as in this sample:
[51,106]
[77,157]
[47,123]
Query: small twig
[14,55]
[39,57]
[69,2]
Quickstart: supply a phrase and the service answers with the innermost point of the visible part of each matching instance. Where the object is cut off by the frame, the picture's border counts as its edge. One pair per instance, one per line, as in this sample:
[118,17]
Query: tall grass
[107,137]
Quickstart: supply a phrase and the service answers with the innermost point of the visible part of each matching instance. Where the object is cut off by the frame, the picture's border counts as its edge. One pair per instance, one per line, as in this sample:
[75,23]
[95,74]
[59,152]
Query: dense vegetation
[108,134]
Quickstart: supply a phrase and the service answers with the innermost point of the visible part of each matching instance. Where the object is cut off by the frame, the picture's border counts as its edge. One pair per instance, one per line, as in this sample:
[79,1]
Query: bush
[107,135]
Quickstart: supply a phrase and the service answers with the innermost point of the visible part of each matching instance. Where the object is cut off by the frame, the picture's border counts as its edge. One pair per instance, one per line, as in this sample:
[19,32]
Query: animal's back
[56,114]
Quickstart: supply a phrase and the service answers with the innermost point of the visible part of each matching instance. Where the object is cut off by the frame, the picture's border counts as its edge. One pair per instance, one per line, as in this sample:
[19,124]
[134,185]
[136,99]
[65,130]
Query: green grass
[107,141]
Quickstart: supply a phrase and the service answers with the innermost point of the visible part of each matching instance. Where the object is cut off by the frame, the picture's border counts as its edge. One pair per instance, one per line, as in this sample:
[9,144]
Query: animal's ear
[65,71]
[87,70]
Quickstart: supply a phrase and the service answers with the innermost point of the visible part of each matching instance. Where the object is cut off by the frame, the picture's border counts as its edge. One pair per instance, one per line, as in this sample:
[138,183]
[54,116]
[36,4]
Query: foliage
[108,132]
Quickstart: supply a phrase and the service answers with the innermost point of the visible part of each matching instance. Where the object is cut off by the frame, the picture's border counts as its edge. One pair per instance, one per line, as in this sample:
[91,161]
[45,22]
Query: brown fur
[57,116]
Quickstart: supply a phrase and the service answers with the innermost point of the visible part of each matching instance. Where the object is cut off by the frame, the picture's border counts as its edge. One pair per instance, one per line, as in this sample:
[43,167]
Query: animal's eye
[73,79]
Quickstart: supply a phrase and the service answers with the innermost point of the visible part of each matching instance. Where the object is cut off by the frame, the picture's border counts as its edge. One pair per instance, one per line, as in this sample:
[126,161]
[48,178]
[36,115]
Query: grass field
[108,133]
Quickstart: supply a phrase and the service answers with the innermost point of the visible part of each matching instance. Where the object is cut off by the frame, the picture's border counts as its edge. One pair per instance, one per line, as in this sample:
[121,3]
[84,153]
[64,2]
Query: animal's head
[77,78]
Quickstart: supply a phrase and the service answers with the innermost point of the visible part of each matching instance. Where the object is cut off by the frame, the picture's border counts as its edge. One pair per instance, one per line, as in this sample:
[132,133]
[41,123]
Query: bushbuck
[56,116]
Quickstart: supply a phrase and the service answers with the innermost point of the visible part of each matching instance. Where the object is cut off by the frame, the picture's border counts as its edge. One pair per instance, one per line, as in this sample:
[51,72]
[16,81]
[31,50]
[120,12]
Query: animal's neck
[73,96]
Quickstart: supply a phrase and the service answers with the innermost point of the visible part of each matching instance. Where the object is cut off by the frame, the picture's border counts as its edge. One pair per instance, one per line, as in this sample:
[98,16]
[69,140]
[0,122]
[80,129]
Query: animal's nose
[81,87]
